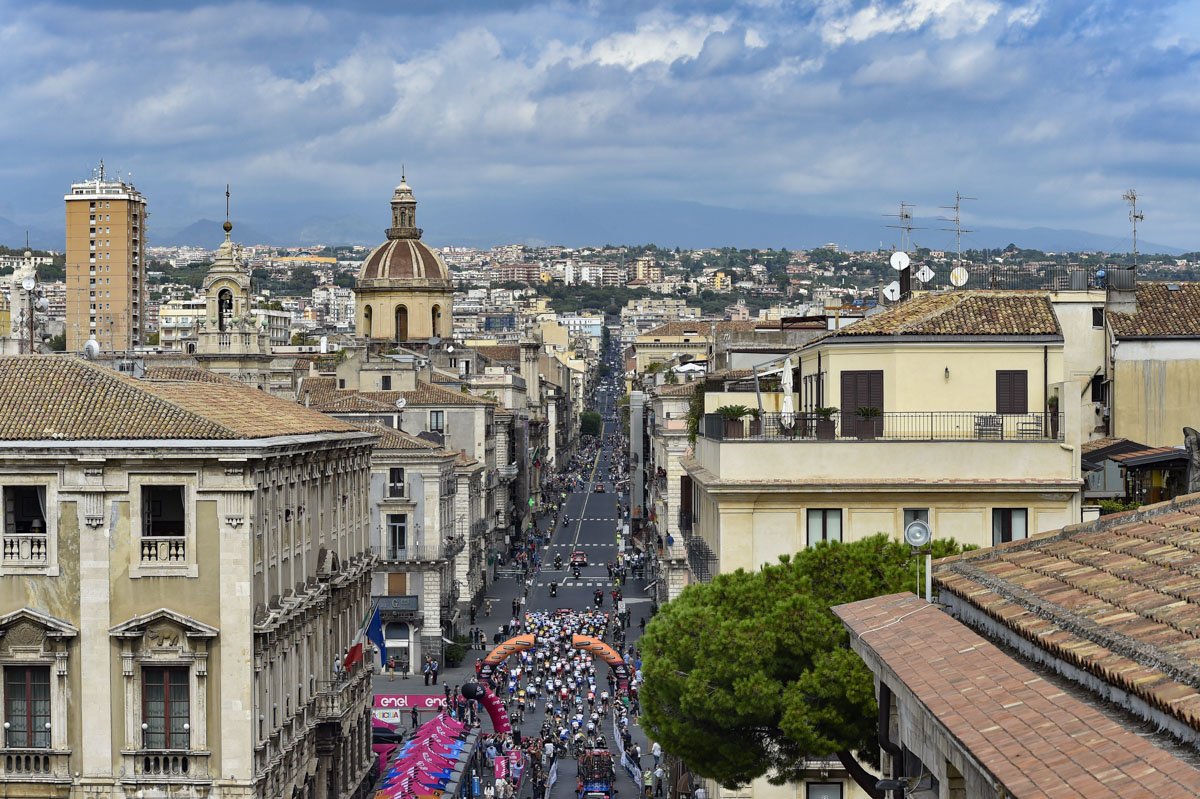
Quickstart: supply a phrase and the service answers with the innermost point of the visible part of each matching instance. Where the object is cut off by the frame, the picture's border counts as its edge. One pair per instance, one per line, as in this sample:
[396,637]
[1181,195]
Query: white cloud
[946,18]
[656,40]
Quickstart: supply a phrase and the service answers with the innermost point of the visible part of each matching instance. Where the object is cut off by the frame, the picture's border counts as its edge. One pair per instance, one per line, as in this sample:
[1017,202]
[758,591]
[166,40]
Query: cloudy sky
[1046,110]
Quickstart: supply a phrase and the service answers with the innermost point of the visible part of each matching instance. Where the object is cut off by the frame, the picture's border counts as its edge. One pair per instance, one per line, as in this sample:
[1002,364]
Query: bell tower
[232,341]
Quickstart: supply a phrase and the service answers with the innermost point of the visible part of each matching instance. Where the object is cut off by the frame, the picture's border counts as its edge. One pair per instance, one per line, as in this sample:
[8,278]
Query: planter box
[756,427]
[735,428]
[826,430]
[866,428]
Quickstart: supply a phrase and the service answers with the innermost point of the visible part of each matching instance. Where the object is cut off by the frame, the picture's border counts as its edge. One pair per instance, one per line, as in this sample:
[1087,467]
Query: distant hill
[209,235]
[13,235]
[580,222]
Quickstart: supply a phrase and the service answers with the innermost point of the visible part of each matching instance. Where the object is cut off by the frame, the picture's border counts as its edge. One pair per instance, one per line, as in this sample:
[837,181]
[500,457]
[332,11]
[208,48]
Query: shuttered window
[1012,391]
[861,389]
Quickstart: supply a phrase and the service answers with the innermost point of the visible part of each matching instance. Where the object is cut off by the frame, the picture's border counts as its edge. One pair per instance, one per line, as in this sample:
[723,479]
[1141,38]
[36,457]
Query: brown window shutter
[1020,388]
[397,584]
[1003,391]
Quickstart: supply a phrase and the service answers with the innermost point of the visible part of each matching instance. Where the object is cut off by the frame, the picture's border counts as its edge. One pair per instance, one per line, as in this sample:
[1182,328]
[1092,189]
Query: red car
[578,558]
[599,488]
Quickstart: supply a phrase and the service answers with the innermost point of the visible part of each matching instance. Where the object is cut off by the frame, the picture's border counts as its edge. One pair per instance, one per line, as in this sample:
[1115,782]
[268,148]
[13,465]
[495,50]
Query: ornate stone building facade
[192,561]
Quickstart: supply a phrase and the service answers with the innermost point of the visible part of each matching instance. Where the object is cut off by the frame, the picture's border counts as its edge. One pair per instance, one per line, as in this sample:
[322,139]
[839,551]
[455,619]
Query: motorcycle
[575,572]
[558,561]
[553,589]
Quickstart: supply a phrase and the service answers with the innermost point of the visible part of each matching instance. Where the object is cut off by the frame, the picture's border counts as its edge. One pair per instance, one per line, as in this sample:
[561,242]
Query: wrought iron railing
[421,553]
[888,426]
[701,559]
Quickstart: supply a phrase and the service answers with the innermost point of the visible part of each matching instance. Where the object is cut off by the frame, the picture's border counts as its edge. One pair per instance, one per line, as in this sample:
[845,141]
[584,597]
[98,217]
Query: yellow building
[1154,362]
[963,436]
[404,292]
[106,264]
[667,342]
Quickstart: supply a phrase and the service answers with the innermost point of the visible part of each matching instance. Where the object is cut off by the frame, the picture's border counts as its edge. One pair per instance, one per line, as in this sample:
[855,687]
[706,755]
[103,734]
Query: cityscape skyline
[826,110]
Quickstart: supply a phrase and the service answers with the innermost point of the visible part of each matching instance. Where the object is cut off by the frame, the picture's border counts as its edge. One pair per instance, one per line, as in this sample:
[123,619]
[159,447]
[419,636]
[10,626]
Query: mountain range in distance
[582,223]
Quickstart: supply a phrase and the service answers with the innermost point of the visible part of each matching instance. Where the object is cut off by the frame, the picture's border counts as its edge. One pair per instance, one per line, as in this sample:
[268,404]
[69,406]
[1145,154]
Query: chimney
[1122,289]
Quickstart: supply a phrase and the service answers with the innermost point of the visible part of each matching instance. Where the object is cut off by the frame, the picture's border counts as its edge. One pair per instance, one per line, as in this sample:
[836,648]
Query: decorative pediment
[28,627]
[162,627]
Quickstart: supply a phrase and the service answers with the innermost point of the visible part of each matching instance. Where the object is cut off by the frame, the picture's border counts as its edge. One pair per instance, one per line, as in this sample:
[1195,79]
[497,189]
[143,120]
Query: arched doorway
[224,309]
[396,636]
[366,332]
[435,320]
[401,323]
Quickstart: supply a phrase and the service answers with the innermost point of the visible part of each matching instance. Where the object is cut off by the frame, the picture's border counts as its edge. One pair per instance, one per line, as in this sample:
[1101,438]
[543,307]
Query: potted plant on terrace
[755,421]
[825,424]
[1052,407]
[867,424]
[732,414]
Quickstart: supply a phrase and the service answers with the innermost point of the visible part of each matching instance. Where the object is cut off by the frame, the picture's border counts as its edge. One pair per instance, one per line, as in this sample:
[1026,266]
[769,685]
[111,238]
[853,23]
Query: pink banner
[395,709]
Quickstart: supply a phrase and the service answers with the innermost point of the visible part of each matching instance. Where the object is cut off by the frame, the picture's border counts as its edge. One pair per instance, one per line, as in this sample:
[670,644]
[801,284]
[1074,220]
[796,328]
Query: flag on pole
[371,630]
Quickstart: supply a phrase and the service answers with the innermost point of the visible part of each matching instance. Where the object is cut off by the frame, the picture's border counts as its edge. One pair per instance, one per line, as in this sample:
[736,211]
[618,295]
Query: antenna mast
[906,217]
[958,229]
[1135,216]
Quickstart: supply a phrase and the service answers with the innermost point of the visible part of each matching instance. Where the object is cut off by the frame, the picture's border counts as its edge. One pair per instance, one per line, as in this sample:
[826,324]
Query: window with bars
[165,707]
[27,706]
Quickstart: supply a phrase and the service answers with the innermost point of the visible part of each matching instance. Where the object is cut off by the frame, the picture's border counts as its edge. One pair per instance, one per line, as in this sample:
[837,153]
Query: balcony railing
[421,553]
[888,426]
[164,549]
[701,559]
[25,548]
[507,472]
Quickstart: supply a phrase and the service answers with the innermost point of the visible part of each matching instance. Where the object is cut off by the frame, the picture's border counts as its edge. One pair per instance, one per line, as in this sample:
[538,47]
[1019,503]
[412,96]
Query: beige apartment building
[186,563]
[106,263]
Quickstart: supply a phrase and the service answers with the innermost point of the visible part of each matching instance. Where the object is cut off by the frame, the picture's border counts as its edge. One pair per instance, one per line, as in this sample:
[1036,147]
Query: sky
[1045,111]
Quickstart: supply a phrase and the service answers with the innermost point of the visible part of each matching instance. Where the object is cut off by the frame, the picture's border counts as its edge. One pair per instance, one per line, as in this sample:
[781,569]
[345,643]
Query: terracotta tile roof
[679,389]
[464,459]
[427,395]
[391,438]
[1161,312]
[700,327]
[1099,443]
[501,353]
[1141,453]
[730,374]
[1034,738]
[320,393]
[961,313]
[194,373]
[1118,598]
[64,398]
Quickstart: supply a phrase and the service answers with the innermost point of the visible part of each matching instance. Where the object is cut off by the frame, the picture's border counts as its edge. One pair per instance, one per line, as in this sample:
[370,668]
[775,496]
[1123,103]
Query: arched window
[435,320]
[401,323]
[396,631]
[366,321]
[224,309]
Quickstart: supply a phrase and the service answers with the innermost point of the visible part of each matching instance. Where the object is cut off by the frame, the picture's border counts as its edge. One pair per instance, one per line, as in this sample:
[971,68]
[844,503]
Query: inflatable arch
[582,642]
[480,692]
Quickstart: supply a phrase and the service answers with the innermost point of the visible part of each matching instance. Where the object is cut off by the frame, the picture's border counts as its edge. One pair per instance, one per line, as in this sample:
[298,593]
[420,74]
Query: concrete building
[106,264]
[186,563]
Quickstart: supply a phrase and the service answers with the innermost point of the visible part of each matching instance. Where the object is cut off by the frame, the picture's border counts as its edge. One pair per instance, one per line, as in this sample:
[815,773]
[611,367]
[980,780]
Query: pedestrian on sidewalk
[659,774]
[434,667]
[446,688]
[656,752]
[474,610]
[416,719]
[427,669]
[391,669]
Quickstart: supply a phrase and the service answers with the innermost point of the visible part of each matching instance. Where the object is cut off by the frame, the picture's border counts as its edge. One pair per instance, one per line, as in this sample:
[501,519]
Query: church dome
[404,256]
[403,259]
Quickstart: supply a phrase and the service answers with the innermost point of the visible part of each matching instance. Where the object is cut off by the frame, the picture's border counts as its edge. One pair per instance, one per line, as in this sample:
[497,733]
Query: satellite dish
[917,533]
[899,261]
[434,341]
[400,403]
[892,291]
[324,344]
[91,348]
[925,274]
[958,276]
[28,283]
[42,304]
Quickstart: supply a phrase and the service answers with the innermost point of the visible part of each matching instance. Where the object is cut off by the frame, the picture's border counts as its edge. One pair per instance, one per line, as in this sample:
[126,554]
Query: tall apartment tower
[106,263]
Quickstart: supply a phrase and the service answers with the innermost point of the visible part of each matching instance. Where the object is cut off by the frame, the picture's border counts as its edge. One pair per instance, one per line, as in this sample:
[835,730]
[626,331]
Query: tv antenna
[906,218]
[1135,216]
[958,229]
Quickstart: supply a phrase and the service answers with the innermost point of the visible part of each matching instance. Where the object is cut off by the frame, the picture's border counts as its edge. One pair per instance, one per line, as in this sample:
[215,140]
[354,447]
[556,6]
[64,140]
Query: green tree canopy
[751,673]
[589,423]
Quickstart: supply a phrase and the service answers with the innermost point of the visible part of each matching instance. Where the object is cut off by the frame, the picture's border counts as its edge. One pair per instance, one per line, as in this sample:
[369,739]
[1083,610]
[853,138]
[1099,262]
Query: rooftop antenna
[906,217]
[958,228]
[1135,216]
